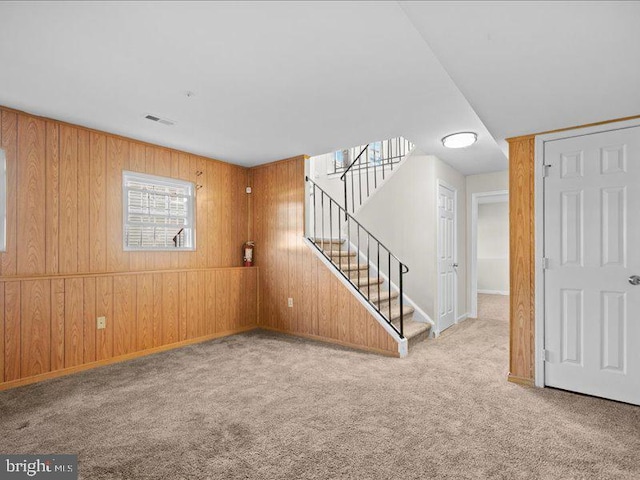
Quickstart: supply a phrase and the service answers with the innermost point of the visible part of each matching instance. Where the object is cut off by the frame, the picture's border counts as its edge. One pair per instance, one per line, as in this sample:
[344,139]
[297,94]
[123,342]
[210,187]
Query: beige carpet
[272,407]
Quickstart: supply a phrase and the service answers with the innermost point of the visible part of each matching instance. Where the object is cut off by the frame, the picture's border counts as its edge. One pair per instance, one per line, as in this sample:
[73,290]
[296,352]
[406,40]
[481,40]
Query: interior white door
[446,257]
[591,236]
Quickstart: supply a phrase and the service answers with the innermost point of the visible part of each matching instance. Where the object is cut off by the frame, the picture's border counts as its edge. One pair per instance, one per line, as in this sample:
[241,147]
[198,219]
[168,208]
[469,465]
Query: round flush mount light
[459,140]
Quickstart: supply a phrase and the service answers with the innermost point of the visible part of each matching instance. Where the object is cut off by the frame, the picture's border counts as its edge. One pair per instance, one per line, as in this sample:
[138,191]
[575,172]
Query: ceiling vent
[163,121]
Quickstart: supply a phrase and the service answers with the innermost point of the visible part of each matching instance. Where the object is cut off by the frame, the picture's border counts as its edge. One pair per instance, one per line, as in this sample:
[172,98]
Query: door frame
[498,196]
[539,227]
[439,184]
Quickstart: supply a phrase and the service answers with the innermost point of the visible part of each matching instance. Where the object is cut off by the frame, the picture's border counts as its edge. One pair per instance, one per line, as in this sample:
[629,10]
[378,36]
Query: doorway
[489,265]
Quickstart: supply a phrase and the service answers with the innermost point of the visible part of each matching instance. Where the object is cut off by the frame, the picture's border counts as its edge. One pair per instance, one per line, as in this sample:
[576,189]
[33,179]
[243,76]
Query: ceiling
[529,67]
[276,79]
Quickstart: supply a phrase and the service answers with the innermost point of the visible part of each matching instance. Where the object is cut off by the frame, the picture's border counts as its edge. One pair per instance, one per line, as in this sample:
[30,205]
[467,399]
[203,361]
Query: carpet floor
[265,406]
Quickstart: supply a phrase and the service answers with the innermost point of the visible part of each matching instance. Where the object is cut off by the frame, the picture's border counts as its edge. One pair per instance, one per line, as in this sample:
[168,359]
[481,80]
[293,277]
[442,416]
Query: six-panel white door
[592,247]
[446,257]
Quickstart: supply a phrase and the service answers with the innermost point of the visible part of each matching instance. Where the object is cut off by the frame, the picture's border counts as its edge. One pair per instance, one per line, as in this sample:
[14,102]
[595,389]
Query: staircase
[375,272]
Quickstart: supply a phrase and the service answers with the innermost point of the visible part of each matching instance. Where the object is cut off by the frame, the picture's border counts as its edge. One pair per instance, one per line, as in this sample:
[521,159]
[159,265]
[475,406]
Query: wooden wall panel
[158,302]
[84,200]
[9,264]
[323,307]
[125,328]
[522,258]
[68,199]
[144,301]
[35,328]
[12,319]
[52,192]
[117,161]
[89,320]
[98,203]
[57,324]
[104,308]
[73,322]
[170,308]
[31,208]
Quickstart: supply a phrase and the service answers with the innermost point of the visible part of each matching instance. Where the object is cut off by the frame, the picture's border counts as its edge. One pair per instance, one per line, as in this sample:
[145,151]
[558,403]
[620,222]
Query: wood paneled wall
[50,323]
[522,258]
[64,186]
[323,308]
[65,266]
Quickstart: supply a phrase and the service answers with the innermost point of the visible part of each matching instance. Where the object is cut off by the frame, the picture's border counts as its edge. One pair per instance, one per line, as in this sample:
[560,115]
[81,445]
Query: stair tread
[339,253]
[395,311]
[348,266]
[412,328]
[360,281]
[327,240]
[384,295]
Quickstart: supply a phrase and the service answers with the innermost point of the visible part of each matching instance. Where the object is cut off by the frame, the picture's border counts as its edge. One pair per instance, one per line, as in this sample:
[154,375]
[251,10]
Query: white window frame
[3,201]
[190,225]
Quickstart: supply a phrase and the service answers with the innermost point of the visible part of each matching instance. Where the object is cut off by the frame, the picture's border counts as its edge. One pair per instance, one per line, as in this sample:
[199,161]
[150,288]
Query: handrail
[354,162]
[386,154]
[357,222]
[351,224]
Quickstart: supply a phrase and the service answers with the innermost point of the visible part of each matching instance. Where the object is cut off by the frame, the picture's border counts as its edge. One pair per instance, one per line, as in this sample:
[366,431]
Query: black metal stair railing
[329,217]
[375,162]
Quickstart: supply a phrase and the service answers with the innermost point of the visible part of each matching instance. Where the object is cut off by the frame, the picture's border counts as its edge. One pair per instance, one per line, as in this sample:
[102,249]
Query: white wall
[403,216]
[493,247]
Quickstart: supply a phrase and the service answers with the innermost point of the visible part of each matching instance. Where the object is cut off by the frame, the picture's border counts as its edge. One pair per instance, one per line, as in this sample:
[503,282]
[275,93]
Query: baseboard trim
[332,341]
[527,382]
[494,292]
[122,358]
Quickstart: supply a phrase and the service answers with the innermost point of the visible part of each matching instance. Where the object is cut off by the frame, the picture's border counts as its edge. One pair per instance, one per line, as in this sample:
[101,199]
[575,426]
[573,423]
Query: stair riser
[418,339]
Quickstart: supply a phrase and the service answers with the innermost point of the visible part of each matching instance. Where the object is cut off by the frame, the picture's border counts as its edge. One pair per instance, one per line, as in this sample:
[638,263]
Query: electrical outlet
[290,302]
[102,323]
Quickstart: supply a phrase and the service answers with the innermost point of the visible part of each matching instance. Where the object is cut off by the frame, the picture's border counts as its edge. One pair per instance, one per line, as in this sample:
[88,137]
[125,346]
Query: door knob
[634,280]
[455,265]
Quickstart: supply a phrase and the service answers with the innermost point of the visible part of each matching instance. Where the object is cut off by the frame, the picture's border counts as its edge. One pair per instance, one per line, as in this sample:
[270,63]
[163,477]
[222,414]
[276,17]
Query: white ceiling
[528,67]
[278,79]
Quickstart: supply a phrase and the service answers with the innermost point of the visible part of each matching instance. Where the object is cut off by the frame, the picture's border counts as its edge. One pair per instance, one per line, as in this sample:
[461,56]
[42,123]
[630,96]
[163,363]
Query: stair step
[395,312]
[350,266]
[383,296]
[414,332]
[340,253]
[364,281]
[328,241]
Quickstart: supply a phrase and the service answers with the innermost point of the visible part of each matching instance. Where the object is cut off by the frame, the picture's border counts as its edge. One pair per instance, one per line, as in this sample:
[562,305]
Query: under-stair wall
[323,308]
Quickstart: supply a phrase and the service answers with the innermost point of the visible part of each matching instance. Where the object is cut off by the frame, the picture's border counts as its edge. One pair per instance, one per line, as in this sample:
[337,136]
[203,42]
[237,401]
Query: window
[3,201]
[158,213]
[340,159]
[375,153]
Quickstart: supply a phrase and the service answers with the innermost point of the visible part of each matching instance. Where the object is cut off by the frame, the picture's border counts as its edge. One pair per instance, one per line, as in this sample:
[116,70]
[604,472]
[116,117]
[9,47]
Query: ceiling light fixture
[460,140]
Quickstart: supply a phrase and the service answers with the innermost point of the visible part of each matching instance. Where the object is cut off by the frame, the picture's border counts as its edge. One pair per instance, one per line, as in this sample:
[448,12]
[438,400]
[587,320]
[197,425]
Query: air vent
[163,121]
